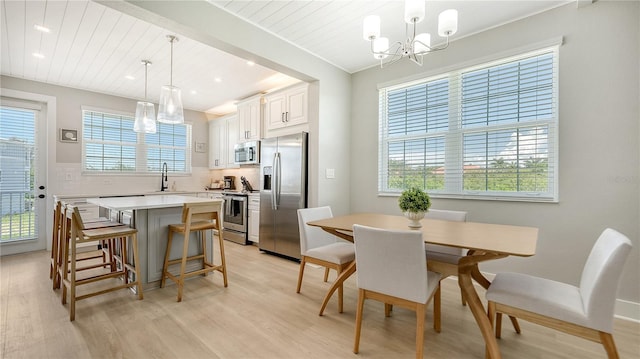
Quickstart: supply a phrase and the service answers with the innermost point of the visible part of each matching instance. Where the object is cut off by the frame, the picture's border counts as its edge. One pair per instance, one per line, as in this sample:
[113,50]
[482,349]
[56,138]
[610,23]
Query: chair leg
[609,345]
[165,266]
[516,326]
[356,343]
[387,309]
[301,273]
[498,325]
[420,311]
[183,264]
[326,274]
[464,301]
[437,321]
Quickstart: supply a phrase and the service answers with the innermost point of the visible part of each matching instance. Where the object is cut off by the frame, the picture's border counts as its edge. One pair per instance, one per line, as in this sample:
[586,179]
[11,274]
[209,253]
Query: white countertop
[147,202]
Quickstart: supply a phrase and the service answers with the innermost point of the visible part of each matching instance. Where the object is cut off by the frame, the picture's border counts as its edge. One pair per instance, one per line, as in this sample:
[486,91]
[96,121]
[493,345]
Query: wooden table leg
[476,307]
[346,273]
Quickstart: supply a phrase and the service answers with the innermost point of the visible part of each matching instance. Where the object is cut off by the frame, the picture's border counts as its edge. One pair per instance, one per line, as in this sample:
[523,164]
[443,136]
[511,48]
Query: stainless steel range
[236,210]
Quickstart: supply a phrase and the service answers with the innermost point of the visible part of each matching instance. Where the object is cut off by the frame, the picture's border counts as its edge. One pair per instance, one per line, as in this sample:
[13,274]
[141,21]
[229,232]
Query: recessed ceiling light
[41,28]
[250,63]
[129,77]
[38,55]
[194,92]
[217,79]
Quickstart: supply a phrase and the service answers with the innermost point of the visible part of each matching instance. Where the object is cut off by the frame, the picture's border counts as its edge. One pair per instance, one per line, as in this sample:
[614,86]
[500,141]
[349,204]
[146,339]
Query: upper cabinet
[287,107]
[223,135]
[250,119]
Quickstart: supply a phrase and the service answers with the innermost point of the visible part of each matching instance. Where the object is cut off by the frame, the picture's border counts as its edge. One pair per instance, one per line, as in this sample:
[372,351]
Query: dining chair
[585,311]
[444,259]
[196,217]
[321,248]
[392,269]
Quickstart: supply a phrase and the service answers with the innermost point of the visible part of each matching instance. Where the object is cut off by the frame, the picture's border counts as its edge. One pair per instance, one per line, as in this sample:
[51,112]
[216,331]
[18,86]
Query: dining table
[484,241]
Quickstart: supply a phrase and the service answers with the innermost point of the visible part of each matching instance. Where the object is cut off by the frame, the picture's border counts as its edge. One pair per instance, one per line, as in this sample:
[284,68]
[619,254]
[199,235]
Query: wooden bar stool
[81,234]
[198,217]
[61,237]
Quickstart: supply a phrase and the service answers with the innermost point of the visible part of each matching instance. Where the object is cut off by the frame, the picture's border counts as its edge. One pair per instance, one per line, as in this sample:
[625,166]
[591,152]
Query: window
[488,131]
[111,146]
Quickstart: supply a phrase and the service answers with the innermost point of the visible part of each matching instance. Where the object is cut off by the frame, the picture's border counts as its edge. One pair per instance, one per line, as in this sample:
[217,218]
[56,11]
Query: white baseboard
[627,310]
[624,309]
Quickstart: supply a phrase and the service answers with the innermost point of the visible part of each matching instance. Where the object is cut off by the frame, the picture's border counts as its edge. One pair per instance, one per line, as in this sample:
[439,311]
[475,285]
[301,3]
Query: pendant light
[145,111]
[170,107]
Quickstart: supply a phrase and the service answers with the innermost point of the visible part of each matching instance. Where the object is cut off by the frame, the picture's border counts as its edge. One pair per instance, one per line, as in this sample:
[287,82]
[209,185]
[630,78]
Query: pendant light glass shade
[170,106]
[145,120]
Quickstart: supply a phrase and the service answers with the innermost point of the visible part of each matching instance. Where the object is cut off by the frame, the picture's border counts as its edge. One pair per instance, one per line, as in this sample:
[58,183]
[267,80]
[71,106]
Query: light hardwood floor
[258,316]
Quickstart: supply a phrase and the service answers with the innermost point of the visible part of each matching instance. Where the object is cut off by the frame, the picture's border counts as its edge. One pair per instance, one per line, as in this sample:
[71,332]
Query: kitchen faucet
[164,177]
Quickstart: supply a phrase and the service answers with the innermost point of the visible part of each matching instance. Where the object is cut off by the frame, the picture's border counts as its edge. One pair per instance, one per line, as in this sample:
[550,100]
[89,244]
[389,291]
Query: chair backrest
[601,276]
[313,237]
[391,262]
[201,211]
[446,215]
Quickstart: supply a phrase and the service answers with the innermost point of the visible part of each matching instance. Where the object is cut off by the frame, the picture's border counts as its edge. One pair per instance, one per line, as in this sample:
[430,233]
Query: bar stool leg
[165,266]
[183,264]
[203,240]
[72,290]
[223,262]
[136,264]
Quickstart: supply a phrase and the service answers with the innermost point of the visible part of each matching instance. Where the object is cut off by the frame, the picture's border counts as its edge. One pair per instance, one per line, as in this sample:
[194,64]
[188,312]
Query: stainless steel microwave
[247,153]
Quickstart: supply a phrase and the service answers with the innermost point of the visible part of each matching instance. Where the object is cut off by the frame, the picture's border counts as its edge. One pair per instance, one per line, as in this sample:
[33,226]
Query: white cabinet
[217,144]
[287,107]
[250,119]
[254,218]
[223,135]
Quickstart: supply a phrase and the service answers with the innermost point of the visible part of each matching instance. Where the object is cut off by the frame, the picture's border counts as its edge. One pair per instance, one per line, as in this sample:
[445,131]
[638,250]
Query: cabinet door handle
[287,116]
[282,117]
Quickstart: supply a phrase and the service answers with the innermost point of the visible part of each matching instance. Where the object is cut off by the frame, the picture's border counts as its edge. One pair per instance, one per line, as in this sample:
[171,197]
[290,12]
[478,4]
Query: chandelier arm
[387,52]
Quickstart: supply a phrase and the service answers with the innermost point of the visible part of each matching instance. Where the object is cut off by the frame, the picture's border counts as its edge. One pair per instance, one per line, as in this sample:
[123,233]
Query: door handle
[40,196]
[41,187]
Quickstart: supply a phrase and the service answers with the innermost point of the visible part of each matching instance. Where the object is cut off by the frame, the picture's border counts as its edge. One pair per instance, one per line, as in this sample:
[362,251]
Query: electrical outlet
[68,176]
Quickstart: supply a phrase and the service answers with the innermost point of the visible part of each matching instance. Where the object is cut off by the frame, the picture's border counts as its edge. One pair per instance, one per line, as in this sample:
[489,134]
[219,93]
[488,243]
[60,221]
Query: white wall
[599,141]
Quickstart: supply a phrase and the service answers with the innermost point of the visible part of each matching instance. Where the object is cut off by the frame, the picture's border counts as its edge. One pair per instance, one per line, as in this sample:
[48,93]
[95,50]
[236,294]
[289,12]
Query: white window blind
[488,131]
[111,146]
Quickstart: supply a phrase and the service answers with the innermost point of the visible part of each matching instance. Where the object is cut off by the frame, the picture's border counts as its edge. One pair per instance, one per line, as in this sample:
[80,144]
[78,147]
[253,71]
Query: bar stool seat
[196,217]
[119,234]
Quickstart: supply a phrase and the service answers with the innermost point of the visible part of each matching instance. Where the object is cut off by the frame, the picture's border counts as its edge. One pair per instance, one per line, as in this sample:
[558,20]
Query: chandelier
[415,46]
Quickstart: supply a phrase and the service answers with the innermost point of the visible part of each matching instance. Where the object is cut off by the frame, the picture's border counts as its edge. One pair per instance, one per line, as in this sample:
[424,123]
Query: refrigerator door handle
[277,170]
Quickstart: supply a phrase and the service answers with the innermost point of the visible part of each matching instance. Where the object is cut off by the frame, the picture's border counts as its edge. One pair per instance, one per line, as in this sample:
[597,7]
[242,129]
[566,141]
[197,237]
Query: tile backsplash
[252,173]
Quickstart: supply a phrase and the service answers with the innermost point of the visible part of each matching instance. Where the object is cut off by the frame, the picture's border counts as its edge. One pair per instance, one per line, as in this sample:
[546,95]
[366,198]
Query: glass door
[22,177]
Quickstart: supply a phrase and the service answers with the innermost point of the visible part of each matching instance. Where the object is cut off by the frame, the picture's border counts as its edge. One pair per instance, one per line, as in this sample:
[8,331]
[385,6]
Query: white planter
[414,219]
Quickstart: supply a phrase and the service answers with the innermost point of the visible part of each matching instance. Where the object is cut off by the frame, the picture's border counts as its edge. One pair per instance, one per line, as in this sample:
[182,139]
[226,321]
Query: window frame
[141,148]
[454,136]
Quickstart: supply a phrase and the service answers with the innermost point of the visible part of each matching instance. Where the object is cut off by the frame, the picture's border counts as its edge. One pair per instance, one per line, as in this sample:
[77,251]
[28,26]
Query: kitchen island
[151,216]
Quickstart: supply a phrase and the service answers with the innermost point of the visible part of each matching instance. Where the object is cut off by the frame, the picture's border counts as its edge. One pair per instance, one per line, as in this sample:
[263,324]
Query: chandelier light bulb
[448,22]
[380,45]
[422,43]
[413,11]
[371,27]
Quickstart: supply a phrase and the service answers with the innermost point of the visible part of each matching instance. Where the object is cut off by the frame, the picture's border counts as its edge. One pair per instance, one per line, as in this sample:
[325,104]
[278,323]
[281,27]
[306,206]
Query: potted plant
[414,203]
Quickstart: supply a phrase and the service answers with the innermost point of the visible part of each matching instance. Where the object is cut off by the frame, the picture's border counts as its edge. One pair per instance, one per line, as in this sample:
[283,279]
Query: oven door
[235,213]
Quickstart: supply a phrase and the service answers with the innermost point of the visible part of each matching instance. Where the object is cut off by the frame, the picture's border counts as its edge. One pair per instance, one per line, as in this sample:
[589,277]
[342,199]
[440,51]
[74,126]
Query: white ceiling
[93,47]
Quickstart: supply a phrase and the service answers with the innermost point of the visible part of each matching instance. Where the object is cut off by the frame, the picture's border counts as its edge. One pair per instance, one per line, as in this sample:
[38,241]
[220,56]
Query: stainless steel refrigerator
[283,189]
